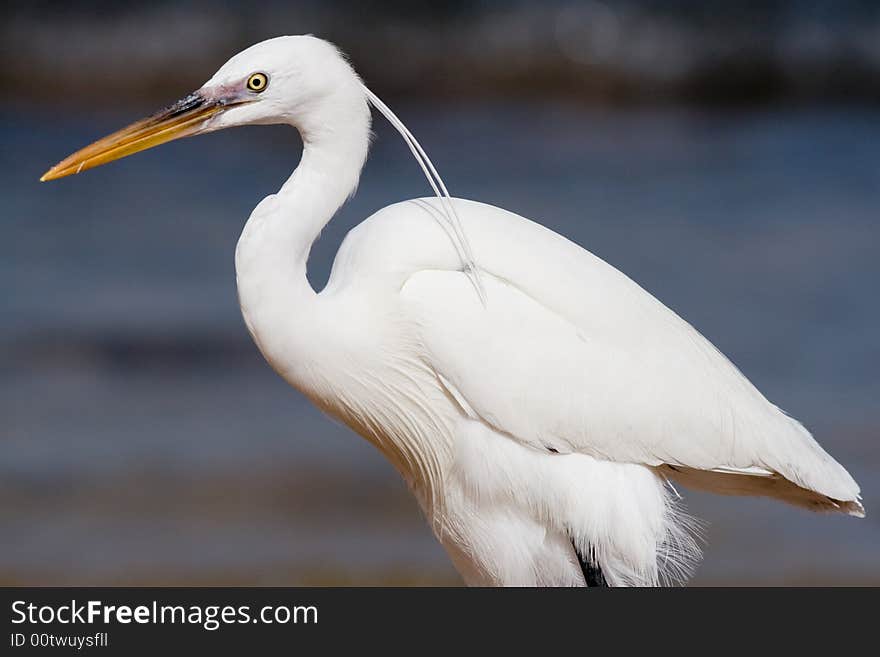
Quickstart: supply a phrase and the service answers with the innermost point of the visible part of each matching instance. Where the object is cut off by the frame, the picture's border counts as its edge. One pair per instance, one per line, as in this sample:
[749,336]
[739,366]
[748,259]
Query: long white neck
[279,305]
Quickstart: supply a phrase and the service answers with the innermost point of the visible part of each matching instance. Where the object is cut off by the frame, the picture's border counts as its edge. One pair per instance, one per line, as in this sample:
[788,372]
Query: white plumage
[536,400]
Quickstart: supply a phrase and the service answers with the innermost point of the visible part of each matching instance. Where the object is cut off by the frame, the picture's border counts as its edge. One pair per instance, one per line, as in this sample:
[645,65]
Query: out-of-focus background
[725,154]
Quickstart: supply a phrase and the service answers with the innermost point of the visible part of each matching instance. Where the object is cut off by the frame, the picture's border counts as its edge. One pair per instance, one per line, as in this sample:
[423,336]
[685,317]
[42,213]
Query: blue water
[144,440]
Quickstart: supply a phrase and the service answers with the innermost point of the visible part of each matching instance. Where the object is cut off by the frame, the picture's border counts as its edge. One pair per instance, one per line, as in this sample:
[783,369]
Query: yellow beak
[186,117]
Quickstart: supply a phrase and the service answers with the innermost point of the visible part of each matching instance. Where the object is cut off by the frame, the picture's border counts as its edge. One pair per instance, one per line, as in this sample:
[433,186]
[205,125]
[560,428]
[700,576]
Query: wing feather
[571,355]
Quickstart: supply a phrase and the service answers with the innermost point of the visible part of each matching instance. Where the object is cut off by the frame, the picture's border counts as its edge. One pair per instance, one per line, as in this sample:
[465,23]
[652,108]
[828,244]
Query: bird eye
[257,82]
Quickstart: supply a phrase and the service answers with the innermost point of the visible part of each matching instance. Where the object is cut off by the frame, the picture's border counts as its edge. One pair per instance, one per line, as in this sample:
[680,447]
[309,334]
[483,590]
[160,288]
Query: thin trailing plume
[459,239]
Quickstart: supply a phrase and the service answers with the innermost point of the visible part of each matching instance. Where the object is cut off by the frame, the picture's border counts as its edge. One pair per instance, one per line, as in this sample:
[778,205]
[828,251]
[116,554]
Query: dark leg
[591,569]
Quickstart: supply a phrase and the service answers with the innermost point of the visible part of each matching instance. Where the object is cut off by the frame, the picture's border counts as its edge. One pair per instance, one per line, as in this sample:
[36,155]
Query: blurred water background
[723,154]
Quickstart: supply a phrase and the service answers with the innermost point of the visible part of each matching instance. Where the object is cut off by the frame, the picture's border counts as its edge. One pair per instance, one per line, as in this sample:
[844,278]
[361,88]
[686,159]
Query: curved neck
[274,246]
[335,141]
[308,200]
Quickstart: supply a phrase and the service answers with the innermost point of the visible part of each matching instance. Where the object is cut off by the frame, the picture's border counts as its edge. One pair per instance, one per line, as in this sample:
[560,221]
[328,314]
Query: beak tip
[51,174]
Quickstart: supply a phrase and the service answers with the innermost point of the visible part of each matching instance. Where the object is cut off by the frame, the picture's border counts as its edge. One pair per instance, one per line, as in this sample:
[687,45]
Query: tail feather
[760,483]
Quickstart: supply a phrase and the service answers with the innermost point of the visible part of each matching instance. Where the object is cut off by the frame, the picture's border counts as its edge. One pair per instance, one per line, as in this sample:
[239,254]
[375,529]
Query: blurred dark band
[606,52]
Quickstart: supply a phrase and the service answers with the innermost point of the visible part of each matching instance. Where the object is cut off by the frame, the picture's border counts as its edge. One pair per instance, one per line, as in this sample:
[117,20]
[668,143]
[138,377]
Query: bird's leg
[590,567]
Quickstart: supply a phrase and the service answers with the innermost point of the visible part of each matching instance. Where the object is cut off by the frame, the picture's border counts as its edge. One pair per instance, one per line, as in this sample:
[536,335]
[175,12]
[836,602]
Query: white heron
[537,401]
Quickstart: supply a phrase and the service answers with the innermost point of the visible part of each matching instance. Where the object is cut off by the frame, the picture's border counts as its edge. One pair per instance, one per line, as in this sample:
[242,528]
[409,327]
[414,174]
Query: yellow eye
[257,82]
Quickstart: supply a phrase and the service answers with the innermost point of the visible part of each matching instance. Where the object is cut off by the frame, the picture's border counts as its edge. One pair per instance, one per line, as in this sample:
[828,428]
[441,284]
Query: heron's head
[300,80]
